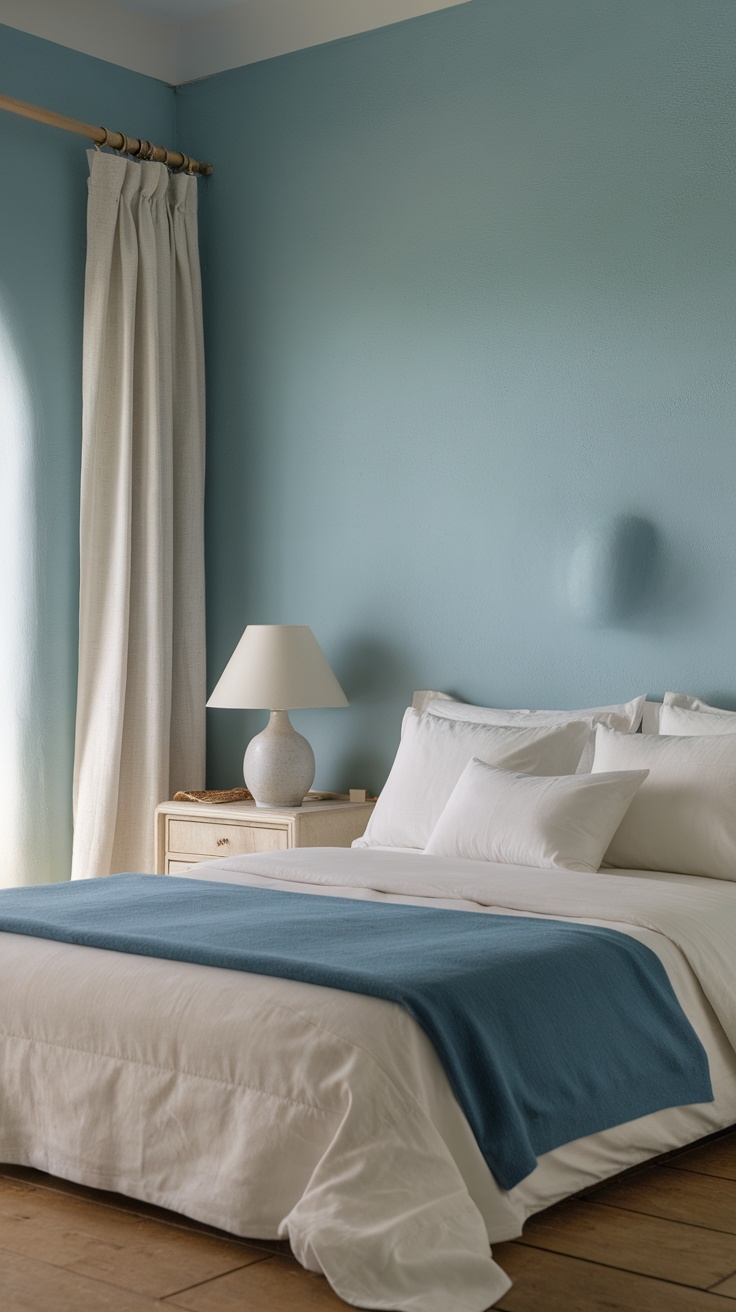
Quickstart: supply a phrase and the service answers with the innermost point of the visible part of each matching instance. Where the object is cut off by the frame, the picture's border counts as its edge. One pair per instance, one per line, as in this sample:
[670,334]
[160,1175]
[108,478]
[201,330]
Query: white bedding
[278,1109]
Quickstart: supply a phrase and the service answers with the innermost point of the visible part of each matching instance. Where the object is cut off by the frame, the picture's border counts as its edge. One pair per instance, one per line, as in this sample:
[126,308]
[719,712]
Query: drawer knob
[222,842]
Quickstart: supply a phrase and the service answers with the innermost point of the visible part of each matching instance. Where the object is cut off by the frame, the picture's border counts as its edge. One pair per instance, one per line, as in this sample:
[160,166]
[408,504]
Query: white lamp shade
[277,667]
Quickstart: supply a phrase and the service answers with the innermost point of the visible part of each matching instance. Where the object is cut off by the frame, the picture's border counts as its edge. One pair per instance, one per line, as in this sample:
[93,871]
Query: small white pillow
[691,703]
[526,820]
[684,722]
[626,716]
[683,818]
[432,755]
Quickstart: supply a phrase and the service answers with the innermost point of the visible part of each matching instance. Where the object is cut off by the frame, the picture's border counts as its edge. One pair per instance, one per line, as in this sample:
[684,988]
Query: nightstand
[190,832]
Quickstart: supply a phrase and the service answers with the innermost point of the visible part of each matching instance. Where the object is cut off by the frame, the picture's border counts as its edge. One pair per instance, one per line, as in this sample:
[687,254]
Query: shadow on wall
[724,700]
[366,668]
[623,574]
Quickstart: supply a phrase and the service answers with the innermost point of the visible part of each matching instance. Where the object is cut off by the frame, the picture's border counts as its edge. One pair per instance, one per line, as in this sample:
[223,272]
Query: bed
[274,1108]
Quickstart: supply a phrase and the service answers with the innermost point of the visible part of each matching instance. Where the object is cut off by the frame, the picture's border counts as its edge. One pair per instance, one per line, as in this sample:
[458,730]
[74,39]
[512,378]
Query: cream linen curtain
[141,684]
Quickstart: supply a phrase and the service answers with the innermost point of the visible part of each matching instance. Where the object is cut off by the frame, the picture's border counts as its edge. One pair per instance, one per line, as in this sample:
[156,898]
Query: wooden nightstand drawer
[210,839]
[190,832]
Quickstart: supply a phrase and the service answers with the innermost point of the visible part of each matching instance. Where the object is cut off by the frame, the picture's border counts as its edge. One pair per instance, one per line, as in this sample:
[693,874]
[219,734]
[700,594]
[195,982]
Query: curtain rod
[174,159]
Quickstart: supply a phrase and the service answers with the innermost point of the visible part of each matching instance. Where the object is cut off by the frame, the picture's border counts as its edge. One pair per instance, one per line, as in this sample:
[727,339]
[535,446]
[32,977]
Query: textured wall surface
[470,295]
[42,253]
[471,288]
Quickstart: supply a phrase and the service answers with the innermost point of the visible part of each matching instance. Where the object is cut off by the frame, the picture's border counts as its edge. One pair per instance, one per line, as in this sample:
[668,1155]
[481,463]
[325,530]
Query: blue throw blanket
[548,1030]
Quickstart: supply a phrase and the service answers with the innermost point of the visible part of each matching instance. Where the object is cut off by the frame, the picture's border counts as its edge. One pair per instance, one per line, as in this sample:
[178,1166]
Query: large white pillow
[432,755]
[565,822]
[626,716]
[683,818]
[680,721]
[685,715]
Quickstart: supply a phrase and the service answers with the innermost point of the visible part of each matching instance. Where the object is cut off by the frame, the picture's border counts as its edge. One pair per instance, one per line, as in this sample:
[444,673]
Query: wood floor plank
[669,1250]
[159,1267]
[660,1240]
[108,1198]
[30,1285]
[121,1203]
[135,1253]
[676,1195]
[715,1158]
[276,1284]
[550,1282]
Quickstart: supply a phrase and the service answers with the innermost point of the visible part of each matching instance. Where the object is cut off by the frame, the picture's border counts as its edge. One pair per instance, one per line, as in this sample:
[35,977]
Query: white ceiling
[180,40]
[174,11]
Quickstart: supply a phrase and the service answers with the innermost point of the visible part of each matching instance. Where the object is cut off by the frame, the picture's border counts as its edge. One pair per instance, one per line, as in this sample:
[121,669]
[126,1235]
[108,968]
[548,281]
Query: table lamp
[278,667]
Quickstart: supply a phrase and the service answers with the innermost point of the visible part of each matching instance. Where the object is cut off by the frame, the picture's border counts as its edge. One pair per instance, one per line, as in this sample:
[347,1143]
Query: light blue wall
[42,252]
[471,288]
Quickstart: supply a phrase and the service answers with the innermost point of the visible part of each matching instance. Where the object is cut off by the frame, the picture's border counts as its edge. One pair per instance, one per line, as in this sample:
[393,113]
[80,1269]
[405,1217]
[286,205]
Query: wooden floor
[661,1239]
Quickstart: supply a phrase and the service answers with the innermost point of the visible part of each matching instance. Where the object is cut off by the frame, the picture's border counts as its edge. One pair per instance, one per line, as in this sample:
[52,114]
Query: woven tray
[214,795]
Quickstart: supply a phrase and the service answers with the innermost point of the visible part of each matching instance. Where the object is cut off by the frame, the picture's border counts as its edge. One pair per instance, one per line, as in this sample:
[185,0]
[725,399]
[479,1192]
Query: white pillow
[683,818]
[680,721]
[626,717]
[527,820]
[690,703]
[432,755]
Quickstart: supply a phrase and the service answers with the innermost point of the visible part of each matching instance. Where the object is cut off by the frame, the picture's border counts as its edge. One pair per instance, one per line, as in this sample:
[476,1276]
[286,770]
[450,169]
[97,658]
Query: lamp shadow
[379,681]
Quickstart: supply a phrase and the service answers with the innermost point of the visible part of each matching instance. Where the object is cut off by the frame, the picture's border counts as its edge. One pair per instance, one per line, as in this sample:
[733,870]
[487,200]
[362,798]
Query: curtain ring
[100,144]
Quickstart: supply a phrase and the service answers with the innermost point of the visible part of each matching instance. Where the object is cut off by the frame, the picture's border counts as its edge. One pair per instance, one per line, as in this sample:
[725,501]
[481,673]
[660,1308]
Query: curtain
[141,682]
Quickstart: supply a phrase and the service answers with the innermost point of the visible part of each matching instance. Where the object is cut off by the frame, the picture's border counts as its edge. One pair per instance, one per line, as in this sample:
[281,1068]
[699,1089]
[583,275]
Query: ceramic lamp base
[279,764]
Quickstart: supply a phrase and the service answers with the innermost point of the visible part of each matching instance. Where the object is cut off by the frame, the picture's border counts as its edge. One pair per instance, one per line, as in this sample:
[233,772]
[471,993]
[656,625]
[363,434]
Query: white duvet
[278,1109]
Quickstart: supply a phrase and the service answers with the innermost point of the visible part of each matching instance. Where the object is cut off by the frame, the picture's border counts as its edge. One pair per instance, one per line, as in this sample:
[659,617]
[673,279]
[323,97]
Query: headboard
[650,718]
